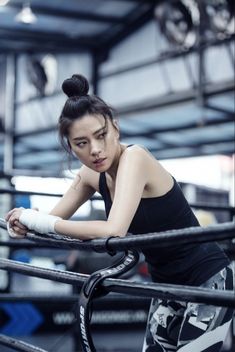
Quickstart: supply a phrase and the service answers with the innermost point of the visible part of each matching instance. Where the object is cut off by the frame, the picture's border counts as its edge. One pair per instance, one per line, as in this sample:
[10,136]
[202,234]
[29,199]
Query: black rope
[164,239]
[218,232]
[147,290]
[39,297]
[67,277]
[61,298]
[19,345]
[16,244]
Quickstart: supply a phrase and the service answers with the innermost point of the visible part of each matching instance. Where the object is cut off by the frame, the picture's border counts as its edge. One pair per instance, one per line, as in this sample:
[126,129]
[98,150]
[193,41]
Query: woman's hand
[14,226]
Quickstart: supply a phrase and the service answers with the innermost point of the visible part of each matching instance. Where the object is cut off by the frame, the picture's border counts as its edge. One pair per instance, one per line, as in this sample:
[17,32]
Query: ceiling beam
[193,153]
[175,98]
[66,13]
[164,147]
[55,48]
[158,102]
[33,150]
[194,145]
[200,124]
[42,38]
[167,55]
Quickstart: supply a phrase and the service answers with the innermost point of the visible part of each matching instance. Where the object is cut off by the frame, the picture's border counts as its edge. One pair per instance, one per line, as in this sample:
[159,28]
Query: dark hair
[78,104]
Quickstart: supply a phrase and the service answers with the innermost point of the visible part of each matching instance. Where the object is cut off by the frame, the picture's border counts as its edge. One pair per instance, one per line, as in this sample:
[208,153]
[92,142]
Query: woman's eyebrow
[100,129]
[94,133]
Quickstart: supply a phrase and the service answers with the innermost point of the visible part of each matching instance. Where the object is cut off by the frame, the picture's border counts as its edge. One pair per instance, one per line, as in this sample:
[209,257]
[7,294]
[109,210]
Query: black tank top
[190,264]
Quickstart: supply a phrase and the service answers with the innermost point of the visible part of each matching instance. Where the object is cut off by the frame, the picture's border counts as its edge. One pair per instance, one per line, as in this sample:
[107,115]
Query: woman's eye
[81,144]
[102,135]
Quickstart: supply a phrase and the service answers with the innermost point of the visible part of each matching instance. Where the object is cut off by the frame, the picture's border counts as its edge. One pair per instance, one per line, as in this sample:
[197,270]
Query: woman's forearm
[85,230]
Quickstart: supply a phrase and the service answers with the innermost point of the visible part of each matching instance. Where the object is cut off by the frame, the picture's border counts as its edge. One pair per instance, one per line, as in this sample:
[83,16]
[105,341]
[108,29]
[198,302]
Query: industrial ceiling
[191,119]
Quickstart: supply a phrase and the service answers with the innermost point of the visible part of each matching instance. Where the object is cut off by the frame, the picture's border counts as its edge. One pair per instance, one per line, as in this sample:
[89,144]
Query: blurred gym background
[168,69]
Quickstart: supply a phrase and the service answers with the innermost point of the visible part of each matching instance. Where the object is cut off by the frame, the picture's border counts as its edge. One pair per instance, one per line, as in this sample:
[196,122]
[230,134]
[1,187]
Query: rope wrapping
[219,232]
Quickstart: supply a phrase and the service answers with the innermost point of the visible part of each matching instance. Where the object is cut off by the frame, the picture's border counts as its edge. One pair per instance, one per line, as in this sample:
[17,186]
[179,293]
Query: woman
[140,196]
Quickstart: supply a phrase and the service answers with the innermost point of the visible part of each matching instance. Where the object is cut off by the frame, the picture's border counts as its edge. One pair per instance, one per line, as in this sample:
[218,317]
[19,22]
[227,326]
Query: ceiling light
[26,15]
[3,2]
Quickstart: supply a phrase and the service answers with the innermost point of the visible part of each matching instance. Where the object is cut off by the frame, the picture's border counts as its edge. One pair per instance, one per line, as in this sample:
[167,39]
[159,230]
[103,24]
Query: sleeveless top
[188,264]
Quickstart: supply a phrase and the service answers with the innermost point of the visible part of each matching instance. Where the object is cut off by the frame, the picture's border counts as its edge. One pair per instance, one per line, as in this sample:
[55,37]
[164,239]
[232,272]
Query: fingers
[14,226]
[20,226]
[15,231]
[9,214]
[19,231]
[14,219]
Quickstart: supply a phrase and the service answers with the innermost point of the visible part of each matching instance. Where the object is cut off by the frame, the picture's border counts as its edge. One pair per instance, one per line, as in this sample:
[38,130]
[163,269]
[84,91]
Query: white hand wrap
[37,221]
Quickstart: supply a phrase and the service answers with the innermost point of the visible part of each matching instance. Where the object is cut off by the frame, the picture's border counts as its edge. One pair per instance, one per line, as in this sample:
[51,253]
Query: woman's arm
[130,183]
[78,193]
[82,188]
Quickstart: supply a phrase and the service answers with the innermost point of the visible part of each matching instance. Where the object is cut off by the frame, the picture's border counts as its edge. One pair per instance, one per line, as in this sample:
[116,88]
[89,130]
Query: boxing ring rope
[218,232]
[18,345]
[102,281]
[148,290]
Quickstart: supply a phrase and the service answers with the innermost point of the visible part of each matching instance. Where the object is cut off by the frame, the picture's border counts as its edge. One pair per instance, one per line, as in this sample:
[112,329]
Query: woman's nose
[95,148]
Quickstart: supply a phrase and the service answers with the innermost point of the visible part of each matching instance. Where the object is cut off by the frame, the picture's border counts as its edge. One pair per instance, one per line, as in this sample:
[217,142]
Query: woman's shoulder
[89,177]
[139,151]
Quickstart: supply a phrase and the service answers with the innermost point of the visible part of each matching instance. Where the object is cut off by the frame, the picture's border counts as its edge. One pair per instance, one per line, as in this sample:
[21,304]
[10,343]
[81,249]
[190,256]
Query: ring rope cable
[19,345]
[197,234]
[92,289]
[139,289]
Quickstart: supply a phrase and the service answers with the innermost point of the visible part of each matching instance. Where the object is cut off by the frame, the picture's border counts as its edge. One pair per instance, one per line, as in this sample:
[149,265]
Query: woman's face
[95,141]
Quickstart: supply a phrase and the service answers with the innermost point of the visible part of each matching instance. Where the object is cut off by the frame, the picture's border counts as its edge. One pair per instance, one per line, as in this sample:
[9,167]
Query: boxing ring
[104,281]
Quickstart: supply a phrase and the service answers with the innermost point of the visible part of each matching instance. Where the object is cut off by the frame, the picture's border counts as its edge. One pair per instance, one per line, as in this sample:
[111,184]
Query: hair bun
[77,85]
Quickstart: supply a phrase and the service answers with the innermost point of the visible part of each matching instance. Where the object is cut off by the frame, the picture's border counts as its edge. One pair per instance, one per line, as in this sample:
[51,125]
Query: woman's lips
[99,162]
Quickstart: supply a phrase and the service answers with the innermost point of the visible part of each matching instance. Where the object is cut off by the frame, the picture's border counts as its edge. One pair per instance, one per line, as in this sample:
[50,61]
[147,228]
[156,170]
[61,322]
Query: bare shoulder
[158,180]
[137,152]
[89,177]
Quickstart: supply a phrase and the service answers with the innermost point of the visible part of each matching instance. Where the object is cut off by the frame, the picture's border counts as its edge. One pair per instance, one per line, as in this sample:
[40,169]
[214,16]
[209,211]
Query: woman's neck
[112,172]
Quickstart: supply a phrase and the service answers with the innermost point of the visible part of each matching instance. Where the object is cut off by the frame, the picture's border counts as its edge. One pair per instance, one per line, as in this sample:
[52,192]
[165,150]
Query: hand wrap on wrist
[37,221]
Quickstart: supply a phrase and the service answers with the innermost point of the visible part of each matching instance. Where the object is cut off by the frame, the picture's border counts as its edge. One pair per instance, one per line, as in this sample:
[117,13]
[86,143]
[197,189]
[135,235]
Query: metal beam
[155,103]
[65,13]
[43,38]
[152,136]
[194,145]
[10,84]
[34,151]
[169,55]
[18,47]
[193,125]
[219,109]
[175,98]
[194,153]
